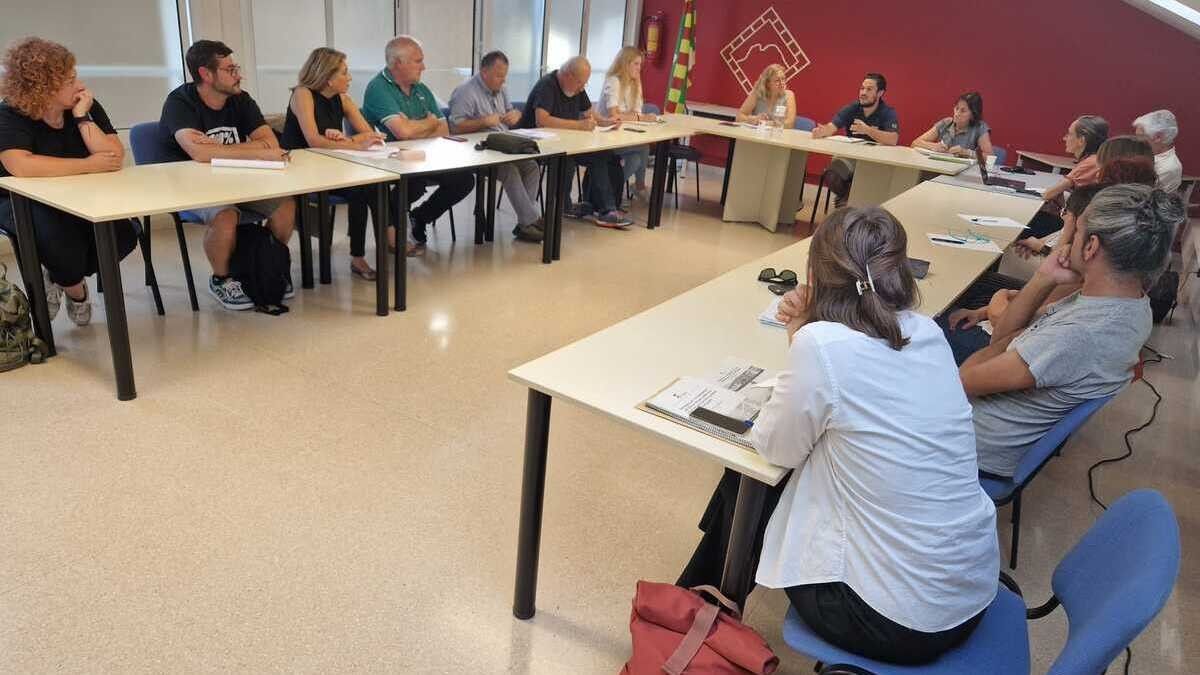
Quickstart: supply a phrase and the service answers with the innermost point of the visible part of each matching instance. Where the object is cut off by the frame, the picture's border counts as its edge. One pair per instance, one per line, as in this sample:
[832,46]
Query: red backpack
[676,631]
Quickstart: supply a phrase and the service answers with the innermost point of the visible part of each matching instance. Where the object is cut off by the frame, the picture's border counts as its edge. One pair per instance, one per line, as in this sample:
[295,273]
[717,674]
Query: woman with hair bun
[882,537]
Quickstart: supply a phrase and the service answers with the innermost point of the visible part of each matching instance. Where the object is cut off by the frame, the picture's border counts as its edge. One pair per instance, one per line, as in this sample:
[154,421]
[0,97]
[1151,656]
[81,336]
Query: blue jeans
[963,343]
[634,162]
[598,182]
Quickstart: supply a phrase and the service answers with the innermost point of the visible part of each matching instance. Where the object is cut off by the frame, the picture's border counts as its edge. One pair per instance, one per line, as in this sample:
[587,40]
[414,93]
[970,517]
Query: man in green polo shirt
[397,103]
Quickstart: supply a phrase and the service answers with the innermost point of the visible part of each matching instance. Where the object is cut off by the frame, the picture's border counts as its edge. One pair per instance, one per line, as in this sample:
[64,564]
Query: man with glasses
[399,104]
[210,118]
[558,101]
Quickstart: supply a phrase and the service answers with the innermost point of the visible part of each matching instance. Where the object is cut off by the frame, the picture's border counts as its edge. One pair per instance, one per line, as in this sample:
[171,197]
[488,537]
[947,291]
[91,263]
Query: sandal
[366,274]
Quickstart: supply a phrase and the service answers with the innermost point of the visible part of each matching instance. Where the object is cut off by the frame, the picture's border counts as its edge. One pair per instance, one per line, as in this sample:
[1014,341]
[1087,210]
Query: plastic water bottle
[779,115]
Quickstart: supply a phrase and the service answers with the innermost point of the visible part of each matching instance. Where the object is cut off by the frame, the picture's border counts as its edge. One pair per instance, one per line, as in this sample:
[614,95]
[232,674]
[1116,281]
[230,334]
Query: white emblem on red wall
[765,41]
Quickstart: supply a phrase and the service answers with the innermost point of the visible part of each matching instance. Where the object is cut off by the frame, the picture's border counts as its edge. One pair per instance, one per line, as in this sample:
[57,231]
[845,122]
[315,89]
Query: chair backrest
[1000,153]
[651,109]
[1037,455]
[1116,579]
[146,141]
[805,124]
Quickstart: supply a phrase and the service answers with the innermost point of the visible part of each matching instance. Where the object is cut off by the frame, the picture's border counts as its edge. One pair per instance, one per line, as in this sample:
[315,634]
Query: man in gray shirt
[481,104]
[1038,368]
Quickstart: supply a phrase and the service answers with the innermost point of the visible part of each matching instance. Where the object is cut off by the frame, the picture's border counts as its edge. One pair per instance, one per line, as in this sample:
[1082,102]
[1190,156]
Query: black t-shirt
[231,124]
[328,114]
[18,132]
[548,95]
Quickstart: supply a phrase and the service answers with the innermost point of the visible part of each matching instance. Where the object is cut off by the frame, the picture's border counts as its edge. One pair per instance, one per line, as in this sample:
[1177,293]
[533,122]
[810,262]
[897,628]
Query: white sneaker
[54,294]
[229,293]
[79,311]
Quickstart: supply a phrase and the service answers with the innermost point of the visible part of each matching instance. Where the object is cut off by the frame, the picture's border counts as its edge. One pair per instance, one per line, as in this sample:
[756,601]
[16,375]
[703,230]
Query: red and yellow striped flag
[684,60]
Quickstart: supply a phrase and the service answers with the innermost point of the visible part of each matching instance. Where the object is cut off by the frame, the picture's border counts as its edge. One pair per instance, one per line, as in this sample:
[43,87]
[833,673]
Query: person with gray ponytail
[1040,366]
[882,537]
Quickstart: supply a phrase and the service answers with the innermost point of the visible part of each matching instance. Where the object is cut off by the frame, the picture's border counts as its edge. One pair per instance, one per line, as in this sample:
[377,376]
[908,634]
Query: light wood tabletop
[151,189]
[900,156]
[1059,163]
[612,371]
[711,109]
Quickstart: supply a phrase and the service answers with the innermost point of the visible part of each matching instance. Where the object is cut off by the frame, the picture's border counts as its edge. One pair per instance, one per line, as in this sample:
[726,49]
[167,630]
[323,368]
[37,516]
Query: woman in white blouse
[882,537]
[622,99]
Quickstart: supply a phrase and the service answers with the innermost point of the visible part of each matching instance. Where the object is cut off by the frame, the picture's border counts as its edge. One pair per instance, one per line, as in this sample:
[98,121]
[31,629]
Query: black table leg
[728,170]
[324,237]
[31,271]
[552,219]
[565,169]
[382,216]
[736,580]
[304,225]
[490,232]
[658,184]
[114,309]
[401,246]
[533,492]
[480,193]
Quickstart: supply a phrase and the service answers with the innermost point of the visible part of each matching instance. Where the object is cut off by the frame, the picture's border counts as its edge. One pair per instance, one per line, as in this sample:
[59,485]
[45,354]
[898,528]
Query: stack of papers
[944,157]
[991,221]
[768,315]
[723,404]
[376,152]
[248,164]
[533,133]
[955,241]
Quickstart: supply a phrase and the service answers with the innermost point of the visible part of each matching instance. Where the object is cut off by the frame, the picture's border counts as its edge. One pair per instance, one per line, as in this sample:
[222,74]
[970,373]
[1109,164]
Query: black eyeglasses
[782,277]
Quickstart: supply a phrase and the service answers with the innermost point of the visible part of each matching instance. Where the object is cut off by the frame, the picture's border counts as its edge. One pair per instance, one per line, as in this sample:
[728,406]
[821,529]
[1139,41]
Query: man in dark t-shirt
[869,118]
[558,101]
[209,118]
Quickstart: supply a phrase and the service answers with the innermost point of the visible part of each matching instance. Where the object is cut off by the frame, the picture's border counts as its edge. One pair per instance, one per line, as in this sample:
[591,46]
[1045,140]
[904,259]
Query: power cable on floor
[1157,357]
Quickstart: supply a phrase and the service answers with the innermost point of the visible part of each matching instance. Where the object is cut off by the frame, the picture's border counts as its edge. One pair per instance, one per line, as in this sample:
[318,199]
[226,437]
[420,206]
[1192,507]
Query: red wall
[1038,64]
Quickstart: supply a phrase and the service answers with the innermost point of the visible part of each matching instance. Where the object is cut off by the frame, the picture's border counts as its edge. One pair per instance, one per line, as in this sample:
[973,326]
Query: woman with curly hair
[51,126]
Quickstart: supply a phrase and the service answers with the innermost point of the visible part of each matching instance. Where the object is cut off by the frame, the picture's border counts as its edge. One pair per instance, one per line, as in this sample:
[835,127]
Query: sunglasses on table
[782,277]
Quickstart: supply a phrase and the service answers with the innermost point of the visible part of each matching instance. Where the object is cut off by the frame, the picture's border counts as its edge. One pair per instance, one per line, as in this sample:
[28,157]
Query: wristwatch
[86,117]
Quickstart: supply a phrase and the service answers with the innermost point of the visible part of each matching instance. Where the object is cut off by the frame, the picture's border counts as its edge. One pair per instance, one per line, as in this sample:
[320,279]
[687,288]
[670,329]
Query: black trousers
[1043,223]
[450,189]
[833,610]
[359,200]
[65,243]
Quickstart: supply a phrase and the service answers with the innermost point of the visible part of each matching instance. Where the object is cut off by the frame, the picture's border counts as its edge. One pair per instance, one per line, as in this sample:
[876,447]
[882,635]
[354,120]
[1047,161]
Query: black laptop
[1018,185]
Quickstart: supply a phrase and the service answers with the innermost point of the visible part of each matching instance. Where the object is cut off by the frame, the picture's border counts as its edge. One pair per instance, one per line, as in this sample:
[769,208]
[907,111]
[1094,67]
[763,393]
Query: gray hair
[1093,129]
[1161,124]
[1135,224]
[576,64]
[399,48]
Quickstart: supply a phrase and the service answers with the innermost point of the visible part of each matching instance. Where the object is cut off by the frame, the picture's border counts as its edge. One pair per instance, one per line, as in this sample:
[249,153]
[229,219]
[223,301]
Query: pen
[984,220]
[948,241]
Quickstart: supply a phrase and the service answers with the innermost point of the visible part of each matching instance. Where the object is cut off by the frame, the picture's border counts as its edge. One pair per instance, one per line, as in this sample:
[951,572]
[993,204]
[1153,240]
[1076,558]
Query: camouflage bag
[18,344]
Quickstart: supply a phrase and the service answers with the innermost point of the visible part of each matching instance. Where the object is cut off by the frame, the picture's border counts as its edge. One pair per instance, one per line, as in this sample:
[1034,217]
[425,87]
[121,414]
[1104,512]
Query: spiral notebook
[724,404]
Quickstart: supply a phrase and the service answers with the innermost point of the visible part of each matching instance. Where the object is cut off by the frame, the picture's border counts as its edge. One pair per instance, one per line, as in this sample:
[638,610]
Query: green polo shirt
[385,99]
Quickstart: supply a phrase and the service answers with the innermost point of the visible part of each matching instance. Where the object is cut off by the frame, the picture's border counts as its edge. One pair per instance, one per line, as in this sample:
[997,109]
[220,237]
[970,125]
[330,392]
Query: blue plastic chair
[1004,491]
[146,141]
[1001,155]
[1111,585]
[804,124]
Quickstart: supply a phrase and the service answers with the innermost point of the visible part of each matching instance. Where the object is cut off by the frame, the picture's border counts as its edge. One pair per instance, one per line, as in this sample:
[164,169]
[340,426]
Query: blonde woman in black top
[316,117]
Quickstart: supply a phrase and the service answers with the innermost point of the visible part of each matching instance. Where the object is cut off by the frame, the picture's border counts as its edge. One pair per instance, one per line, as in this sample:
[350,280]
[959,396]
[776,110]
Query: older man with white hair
[558,101]
[1160,129]
[399,104]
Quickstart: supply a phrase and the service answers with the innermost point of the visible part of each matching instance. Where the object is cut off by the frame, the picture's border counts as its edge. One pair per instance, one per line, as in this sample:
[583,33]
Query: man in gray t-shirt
[1082,348]
[1038,368]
